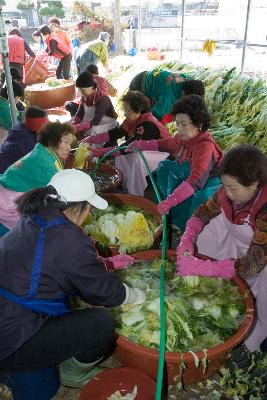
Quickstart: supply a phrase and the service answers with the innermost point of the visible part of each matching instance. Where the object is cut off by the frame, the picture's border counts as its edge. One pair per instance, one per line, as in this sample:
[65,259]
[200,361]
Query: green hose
[162,272]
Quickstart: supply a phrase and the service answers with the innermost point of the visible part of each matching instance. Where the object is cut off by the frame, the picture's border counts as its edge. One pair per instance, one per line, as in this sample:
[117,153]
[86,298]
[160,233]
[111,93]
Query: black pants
[86,335]
[18,67]
[63,69]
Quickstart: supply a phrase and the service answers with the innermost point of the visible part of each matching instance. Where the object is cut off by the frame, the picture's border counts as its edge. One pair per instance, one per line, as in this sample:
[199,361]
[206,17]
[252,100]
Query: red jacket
[16,48]
[201,151]
[62,49]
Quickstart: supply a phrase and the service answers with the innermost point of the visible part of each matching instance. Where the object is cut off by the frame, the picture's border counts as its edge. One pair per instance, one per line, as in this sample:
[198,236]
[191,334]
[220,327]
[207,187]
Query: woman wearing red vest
[59,50]
[62,35]
[231,228]
[17,47]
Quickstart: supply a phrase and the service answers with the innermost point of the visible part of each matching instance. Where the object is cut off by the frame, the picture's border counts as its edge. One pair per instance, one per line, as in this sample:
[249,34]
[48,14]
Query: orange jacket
[16,48]
[62,48]
[64,37]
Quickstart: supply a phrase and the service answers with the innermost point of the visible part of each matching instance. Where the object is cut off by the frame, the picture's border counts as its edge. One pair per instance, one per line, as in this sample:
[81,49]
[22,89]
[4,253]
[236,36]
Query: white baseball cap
[74,186]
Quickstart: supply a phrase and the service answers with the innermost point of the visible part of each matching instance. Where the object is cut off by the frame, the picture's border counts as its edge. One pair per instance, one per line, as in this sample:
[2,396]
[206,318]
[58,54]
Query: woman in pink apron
[231,228]
[95,114]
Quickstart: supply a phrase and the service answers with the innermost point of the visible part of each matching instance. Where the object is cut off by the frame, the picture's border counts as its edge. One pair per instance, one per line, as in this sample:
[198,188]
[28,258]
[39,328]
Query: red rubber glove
[193,266]
[181,193]
[120,261]
[144,145]
[83,126]
[187,243]
[97,139]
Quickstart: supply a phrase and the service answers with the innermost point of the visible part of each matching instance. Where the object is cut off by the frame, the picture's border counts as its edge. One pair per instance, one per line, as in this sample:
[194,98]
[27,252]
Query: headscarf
[104,36]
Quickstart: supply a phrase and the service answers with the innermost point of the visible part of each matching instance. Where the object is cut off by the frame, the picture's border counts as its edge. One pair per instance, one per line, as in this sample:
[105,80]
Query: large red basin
[146,360]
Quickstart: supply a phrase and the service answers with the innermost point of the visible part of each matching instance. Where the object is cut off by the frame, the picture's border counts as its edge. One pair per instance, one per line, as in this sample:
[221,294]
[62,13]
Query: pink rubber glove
[120,261]
[192,266]
[101,152]
[181,193]
[187,243]
[83,126]
[144,145]
[97,139]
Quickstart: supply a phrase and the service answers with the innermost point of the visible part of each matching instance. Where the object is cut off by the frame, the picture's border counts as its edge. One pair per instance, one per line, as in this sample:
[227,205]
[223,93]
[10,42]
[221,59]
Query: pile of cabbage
[237,104]
[200,312]
[125,226]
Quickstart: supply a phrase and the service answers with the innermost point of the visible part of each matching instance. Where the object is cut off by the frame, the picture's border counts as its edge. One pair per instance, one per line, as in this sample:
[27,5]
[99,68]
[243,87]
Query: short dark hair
[54,20]
[35,112]
[45,30]
[52,133]
[17,89]
[246,163]
[193,86]
[14,31]
[196,109]
[138,102]
[85,80]
[92,68]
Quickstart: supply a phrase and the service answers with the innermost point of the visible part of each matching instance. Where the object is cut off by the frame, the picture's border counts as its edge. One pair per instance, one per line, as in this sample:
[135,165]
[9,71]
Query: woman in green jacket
[162,87]
[34,170]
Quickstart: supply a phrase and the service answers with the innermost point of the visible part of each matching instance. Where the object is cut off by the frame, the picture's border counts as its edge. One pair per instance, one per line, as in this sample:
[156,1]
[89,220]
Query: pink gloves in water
[97,139]
[188,265]
[181,193]
[120,261]
[144,145]
[187,243]
[192,266]
[83,126]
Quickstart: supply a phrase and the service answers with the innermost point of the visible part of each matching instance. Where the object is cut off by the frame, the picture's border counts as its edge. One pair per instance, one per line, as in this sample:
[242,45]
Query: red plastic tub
[144,359]
[50,97]
[123,380]
[35,72]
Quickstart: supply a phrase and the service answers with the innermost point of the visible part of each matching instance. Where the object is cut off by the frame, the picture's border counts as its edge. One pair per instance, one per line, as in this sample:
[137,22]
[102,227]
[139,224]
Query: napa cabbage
[198,313]
[130,232]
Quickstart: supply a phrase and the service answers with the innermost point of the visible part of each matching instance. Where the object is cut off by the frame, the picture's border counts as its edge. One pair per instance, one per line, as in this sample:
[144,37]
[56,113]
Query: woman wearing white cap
[45,258]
